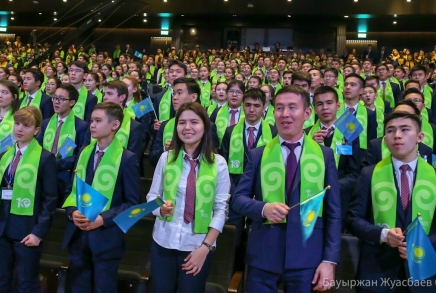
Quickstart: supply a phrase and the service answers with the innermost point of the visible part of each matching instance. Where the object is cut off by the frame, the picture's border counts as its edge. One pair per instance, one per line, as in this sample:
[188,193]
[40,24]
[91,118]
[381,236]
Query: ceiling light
[145,20]
[289,0]
[145,14]
[346,16]
[234,15]
[226,0]
[182,15]
[356,0]
[409,0]
[65,0]
[165,0]
[40,13]
[289,15]
[12,18]
[55,13]
[12,12]
[10,0]
[99,20]
[55,19]
[394,22]
[395,15]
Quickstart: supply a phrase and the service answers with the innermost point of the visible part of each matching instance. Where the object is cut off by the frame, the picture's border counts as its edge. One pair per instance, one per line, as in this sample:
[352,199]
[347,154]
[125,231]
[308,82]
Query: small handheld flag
[433,160]
[137,54]
[349,126]
[6,143]
[309,210]
[421,256]
[143,107]
[129,217]
[67,147]
[89,201]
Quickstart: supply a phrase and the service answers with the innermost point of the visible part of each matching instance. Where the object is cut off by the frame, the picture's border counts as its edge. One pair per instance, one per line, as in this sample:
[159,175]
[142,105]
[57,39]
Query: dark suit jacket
[157,148]
[107,241]
[377,260]
[374,152]
[18,227]
[371,55]
[66,166]
[288,251]
[372,125]
[46,106]
[396,91]
[432,111]
[91,101]
[136,138]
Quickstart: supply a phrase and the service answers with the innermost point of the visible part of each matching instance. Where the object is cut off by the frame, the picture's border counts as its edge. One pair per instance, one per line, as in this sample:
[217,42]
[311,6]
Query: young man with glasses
[390,91]
[86,101]
[55,130]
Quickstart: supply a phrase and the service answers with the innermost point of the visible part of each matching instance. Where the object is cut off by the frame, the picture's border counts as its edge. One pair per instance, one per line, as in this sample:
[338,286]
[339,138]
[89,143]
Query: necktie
[15,164]
[29,100]
[250,137]
[352,110]
[291,166]
[54,148]
[329,130]
[405,190]
[99,155]
[191,187]
[233,117]
[384,88]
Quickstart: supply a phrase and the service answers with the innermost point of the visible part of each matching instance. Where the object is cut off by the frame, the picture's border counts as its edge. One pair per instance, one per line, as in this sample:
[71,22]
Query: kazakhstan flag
[349,126]
[67,147]
[129,217]
[309,210]
[90,202]
[6,143]
[421,256]
[143,107]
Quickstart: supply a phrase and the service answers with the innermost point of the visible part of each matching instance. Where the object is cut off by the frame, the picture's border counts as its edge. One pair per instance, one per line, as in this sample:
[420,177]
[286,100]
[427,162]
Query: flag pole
[407,230]
[310,198]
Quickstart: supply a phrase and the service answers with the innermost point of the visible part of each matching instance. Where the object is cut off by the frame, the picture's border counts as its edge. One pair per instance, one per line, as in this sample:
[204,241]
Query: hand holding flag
[89,201]
[349,126]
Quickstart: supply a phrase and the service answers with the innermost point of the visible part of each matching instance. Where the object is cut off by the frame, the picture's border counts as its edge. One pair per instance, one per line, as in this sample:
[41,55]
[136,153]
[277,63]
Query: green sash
[99,96]
[217,79]
[222,120]
[428,91]
[236,148]
[311,121]
[79,107]
[270,115]
[273,172]
[362,117]
[428,134]
[340,95]
[389,94]
[205,189]
[36,101]
[277,88]
[23,193]
[380,103]
[68,130]
[384,194]
[380,117]
[168,131]
[129,109]
[7,124]
[337,139]
[205,92]
[211,108]
[340,81]
[165,106]
[106,173]
[424,114]
[123,134]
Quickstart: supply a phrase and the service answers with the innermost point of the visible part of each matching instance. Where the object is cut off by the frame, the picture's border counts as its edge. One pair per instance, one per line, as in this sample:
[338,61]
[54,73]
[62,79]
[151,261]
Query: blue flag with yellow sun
[6,143]
[89,201]
[67,147]
[309,210]
[349,126]
[143,107]
[129,217]
[421,256]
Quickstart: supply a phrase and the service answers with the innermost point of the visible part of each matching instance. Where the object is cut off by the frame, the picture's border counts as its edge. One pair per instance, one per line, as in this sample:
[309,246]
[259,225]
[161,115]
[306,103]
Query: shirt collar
[257,125]
[355,107]
[397,164]
[33,95]
[22,150]
[186,154]
[98,149]
[237,109]
[62,119]
[322,125]
[301,140]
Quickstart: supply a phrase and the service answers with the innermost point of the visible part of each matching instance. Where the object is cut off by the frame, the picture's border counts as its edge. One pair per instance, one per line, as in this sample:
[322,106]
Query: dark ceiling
[372,14]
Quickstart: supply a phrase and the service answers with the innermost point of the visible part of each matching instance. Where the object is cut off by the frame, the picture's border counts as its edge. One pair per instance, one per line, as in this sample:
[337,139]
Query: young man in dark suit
[379,216]
[390,90]
[26,208]
[267,200]
[324,132]
[95,248]
[56,129]
[419,73]
[32,81]
[426,112]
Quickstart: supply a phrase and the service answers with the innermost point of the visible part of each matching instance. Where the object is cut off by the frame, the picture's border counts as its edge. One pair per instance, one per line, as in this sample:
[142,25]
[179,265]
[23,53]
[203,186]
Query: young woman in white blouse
[194,183]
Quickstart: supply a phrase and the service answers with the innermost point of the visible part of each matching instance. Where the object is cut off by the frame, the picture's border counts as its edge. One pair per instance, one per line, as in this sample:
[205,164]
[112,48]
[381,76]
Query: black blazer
[379,260]
[18,227]
[107,241]
[157,148]
[91,101]
[46,106]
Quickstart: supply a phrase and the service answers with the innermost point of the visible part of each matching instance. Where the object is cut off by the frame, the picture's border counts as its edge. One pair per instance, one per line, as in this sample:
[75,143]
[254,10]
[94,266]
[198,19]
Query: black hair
[405,115]
[324,90]
[255,94]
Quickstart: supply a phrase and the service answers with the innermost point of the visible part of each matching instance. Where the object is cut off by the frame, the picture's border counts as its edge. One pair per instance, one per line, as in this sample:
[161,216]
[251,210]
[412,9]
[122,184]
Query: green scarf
[99,96]
[389,94]
[428,91]
[205,92]
[270,115]
[68,130]
[106,173]
[123,134]
[311,121]
[236,149]
[79,107]
[205,189]
[217,79]
[36,101]
[337,139]
[384,194]
[222,120]
[165,106]
[7,124]
[273,172]
[340,95]
[129,109]
[428,134]
[169,131]
[277,88]
[362,117]
[23,193]
[424,114]
[211,108]
[380,103]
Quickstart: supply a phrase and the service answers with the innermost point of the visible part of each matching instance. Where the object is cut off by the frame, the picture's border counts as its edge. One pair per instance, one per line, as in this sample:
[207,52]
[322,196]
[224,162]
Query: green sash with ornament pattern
[337,139]
[205,92]
[222,120]
[7,124]
[270,115]
[165,106]
[36,101]
[68,129]
[79,107]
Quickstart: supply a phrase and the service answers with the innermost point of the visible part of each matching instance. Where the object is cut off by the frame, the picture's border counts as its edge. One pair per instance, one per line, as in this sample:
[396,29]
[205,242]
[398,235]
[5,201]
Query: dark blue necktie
[291,167]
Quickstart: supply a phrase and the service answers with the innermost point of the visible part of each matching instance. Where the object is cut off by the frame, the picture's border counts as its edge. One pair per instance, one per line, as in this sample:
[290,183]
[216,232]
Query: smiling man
[267,201]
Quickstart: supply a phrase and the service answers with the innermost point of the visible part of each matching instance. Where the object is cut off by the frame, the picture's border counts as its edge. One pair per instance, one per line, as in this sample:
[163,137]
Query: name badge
[6,194]
[345,150]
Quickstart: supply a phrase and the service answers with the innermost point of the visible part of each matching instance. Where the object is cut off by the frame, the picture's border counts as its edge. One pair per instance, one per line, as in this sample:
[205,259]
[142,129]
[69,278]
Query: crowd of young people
[234,141]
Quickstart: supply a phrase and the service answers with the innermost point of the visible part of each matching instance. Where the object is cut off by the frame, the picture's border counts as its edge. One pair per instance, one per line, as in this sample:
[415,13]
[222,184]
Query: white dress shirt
[176,234]
[247,132]
[297,150]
